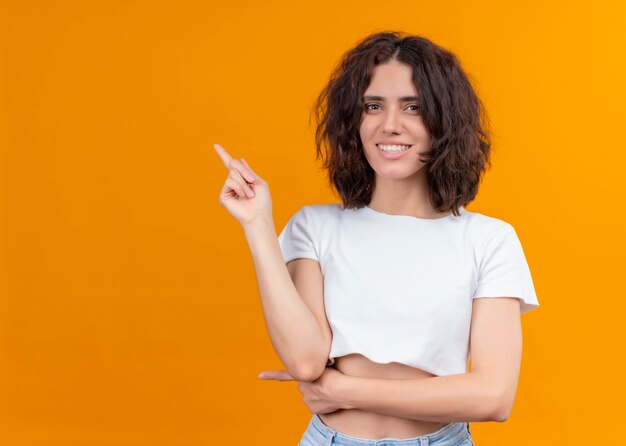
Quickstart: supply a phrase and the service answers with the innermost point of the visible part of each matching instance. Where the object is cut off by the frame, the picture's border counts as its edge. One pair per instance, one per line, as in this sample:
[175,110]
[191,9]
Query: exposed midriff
[371,425]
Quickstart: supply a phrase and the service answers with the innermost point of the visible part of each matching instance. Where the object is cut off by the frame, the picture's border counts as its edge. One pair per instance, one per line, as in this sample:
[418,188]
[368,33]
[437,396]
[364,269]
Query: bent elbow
[503,415]
[501,408]
[500,415]
[307,371]
[306,374]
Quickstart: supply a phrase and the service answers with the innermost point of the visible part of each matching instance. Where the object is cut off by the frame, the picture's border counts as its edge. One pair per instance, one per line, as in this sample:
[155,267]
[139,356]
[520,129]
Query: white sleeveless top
[399,288]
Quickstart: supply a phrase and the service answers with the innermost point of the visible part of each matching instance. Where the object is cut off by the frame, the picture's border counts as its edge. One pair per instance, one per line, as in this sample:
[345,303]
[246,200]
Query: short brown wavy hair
[450,109]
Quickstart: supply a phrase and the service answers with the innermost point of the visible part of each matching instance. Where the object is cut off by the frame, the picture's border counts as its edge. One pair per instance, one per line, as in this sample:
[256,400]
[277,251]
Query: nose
[391,123]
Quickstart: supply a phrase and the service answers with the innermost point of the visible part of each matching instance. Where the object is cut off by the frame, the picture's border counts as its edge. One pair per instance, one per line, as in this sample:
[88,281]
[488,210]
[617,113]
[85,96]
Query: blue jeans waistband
[450,434]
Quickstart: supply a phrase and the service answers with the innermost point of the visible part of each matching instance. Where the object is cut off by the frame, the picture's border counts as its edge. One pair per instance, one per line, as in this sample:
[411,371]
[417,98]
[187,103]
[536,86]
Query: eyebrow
[380,98]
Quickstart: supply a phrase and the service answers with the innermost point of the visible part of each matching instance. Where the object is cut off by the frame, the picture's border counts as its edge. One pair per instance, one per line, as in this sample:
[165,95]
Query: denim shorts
[318,434]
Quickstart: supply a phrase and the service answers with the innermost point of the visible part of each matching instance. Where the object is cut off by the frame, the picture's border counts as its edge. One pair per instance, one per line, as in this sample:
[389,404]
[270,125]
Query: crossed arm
[486,393]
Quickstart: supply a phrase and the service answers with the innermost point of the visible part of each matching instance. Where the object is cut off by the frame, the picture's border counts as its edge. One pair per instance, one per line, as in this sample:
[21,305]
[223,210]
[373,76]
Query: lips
[393,155]
[407,147]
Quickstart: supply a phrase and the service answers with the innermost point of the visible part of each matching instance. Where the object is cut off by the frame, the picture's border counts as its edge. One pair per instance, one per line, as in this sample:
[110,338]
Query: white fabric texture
[398,288]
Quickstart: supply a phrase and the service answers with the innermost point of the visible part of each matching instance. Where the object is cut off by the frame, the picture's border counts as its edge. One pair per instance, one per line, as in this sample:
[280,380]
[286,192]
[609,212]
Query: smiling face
[391,115]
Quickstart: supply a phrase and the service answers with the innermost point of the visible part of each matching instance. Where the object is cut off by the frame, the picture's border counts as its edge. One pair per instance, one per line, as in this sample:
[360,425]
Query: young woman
[385,295]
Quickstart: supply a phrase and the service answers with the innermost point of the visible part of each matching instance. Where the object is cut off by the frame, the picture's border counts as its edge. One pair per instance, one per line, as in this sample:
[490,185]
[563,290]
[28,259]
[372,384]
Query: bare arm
[297,332]
[486,393]
[292,295]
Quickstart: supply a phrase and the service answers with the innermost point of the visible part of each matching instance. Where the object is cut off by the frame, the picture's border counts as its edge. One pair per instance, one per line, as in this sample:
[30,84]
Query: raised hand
[244,194]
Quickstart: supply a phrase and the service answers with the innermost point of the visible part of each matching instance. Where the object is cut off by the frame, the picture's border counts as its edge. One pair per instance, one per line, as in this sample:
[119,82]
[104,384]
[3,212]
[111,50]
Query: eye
[417,107]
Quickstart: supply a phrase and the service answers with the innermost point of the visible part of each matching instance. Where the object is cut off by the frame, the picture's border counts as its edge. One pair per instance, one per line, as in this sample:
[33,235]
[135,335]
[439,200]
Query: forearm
[293,329]
[461,397]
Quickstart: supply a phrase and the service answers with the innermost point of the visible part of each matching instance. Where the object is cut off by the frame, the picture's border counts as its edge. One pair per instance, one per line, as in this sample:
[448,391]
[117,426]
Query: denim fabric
[318,434]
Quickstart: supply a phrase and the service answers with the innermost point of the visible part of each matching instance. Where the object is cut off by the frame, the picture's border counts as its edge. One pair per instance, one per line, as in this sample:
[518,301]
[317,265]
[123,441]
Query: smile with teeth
[386,148]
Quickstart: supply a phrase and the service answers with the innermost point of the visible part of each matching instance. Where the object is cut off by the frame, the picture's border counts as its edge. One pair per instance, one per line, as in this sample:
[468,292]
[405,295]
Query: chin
[398,172]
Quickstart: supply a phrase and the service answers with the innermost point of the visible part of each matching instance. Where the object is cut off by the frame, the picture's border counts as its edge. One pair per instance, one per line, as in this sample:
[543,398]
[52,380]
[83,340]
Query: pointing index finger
[221,151]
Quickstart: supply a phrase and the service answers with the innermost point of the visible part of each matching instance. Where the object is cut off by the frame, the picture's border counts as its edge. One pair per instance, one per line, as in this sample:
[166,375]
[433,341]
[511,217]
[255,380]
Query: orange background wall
[129,312]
